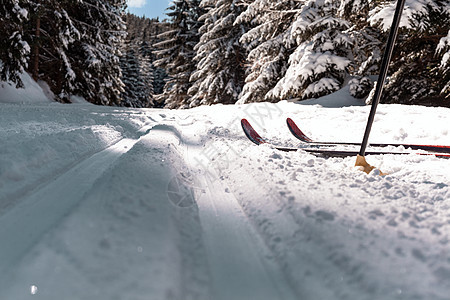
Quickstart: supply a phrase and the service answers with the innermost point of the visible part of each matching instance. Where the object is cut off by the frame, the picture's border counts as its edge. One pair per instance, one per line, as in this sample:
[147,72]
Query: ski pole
[360,160]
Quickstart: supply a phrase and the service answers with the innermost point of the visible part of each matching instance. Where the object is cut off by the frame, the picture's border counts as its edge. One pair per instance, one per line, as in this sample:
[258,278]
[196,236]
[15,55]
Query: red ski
[304,138]
[321,150]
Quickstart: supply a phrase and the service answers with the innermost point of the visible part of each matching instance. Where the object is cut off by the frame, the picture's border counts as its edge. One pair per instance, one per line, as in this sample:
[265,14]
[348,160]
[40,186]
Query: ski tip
[297,132]
[245,122]
[251,133]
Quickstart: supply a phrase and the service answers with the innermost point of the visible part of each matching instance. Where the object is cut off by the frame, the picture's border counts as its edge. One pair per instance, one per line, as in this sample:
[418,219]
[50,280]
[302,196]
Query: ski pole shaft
[383,72]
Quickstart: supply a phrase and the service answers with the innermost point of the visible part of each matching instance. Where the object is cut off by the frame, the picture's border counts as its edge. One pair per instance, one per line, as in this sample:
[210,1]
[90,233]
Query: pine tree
[159,74]
[96,54]
[366,52]
[147,72]
[137,74]
[319,65]
[177,51]
[417,76]
[266,44]
[143,81]
[75,47]
[220,58]
[14,49]
[51,33]
[137,92]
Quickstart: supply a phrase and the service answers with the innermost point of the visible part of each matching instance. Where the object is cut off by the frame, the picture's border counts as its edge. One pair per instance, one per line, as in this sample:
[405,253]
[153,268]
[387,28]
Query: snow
[32,92]
[444,43]
[21,12]
[118,203]
[385,15]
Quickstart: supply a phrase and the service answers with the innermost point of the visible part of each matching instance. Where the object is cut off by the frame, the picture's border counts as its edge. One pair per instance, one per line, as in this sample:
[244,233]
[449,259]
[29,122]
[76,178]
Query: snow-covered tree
[14,49]
[366,53]
[267,45]
[97,52]
[159,73]
[51,33]
[220,58]
[319,65]
[177,51]
[443,49]
[147,71]
[297,44]
[75,47]
[417,75]
[143,81]
[137,72]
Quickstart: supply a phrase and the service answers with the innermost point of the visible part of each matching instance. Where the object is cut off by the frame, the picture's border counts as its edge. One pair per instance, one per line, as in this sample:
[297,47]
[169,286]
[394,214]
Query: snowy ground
[115,203]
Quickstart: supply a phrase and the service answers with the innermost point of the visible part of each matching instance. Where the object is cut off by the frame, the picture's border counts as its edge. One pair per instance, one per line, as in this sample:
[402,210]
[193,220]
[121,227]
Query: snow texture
[119,203]
[444,43]
[384,14]
[31,93]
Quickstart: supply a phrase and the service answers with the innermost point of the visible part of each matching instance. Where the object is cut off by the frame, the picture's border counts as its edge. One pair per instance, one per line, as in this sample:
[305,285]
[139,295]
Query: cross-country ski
[295,130]
[325,149]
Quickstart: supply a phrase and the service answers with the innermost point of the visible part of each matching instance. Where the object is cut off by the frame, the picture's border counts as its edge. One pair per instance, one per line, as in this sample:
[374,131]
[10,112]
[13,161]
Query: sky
[149,8]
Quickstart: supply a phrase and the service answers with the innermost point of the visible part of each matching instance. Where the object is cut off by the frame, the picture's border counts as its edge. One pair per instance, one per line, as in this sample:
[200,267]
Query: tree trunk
[35,68]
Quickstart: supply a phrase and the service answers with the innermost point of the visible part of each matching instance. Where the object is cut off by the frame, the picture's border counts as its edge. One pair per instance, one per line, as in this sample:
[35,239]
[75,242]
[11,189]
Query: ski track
[47,148]
[141,246]
[25,224]
[207,249]
[240,264]
[147,218]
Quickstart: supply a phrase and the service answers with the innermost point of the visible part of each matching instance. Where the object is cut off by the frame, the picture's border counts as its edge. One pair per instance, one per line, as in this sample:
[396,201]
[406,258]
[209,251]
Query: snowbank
[337,99]
[32,93]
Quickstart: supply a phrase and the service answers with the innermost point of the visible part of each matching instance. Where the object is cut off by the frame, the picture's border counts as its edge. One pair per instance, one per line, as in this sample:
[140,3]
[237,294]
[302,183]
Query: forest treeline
[227,51]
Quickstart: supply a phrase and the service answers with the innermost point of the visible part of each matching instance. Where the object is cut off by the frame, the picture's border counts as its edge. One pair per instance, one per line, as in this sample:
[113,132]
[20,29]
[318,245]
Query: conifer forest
[227,51]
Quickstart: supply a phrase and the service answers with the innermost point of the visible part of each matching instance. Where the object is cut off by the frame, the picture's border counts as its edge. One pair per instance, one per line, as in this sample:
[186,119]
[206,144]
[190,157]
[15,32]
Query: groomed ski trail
[25,224]
[113,235]
[97,237]
[240,264]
